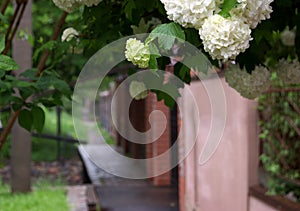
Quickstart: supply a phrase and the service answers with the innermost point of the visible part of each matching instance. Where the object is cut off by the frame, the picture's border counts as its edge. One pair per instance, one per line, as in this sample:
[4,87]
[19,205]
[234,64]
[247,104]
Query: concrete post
[20,138]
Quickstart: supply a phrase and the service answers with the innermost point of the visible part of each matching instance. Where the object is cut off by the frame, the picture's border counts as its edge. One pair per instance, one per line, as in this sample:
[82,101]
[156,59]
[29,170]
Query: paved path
[137,198]
[120,194]
[77,198]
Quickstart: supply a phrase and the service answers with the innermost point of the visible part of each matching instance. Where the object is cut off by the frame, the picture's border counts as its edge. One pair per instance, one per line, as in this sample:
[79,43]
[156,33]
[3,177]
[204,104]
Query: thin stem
[8,128]
[4,6]
[9,42]
[12,21]
[55,35]
[291,89]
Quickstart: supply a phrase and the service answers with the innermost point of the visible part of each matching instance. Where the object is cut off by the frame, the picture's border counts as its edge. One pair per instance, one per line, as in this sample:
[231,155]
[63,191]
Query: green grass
[43,197]
[46,149]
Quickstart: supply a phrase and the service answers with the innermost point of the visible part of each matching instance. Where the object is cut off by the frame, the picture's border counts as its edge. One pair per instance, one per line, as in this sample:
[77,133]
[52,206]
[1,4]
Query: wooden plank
[92,200]
[278,202]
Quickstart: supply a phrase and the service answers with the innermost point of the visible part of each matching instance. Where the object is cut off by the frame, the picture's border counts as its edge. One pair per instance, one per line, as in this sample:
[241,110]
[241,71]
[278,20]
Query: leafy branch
[35,80]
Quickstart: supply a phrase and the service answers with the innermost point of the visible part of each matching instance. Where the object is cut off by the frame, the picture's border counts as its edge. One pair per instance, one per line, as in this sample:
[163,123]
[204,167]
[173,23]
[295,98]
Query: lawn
[46,149]
[43,197]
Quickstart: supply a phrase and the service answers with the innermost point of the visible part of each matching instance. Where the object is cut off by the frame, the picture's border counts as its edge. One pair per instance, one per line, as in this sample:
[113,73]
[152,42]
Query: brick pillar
[162,144]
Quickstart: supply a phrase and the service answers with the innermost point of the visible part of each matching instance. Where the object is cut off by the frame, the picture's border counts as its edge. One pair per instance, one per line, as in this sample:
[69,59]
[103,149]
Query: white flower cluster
[257,10]
[288,37]
[248,85]
[89,3]
[224,38]
[69,34]
[219,34]
[189,13]
[288,71]
[137,52]
[67,5]
[138,90]
[71,5]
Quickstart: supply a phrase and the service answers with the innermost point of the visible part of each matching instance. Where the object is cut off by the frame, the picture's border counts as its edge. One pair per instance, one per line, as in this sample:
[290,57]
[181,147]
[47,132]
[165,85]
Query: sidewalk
[137,198]
[120,194]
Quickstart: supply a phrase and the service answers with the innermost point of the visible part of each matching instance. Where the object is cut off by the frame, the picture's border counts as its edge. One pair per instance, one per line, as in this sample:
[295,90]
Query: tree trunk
[20,138]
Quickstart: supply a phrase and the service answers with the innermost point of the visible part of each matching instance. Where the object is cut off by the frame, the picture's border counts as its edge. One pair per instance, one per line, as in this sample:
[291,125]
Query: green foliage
[279,124]
[43,196]
[227,6]
[7,63]
[48,89]
[266,47]
[38,118]
[25,119]
[172,31]
[2,42]
[182,72]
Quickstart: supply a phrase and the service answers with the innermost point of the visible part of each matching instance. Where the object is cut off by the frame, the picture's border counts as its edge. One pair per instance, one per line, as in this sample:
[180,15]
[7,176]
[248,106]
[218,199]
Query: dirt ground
[68,172]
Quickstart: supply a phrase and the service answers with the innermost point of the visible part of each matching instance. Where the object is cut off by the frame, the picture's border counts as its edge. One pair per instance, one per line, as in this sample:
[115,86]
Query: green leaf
[7,63]
[153,62]
[2,73]
[199,62]
[167,34]
[25,119]
[168,100]
[227,6]
[2,42]
[50,79]
[30,74]
[192,36]
[183,72]
[38,115]
[3,85]
[129,7]
[154,54]
[50,45]
[16,106]
[62,86]
[23,84]
[141,28]
[47,102]
[26,92]
[163,62]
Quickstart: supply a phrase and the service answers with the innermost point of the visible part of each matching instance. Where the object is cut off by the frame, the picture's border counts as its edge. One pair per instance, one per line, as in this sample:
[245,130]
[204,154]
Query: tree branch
[8,128]
[10,39]
[4,6]
[55,35]
[291,89]
[41,66]
[42,62]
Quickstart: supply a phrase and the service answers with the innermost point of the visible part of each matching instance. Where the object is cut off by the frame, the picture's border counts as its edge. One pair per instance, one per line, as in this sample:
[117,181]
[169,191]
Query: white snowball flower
[69,34]
[67,5]
[137,52]
[288,37]
[288,71]
[256,11]
[224,38]
[89,3]
[239,10]
[248,85]
[189,13]
[138,90]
